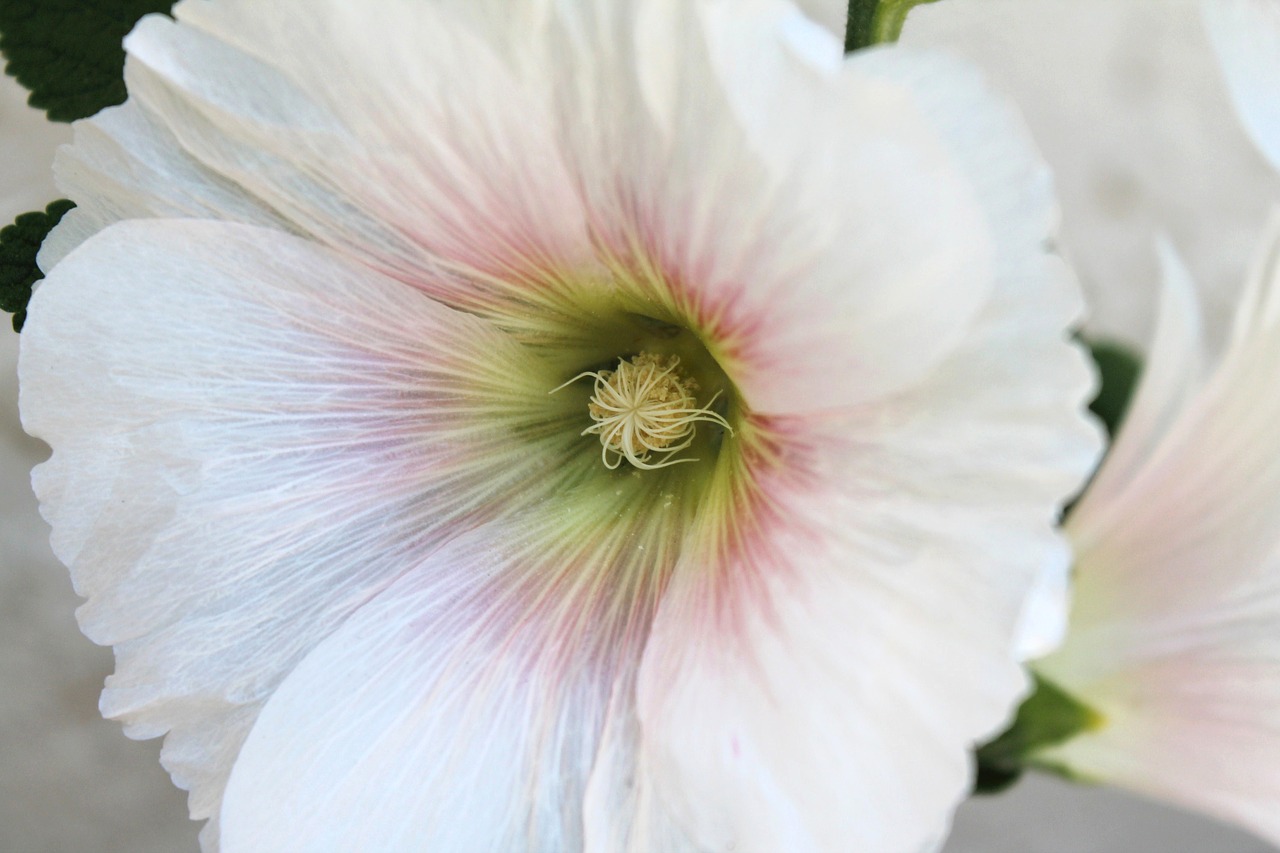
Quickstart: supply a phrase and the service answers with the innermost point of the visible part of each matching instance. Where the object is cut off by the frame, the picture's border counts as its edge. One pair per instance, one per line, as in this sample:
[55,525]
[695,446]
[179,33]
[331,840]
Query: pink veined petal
[586,160]
[704,209]
[762,192]
[463,707]
[606,156]
[126,165]
[1173,629]
[1190,710]
[817,676]
[447,180]
[1246,34]
[252,437]
[1171,376]
[1206,495]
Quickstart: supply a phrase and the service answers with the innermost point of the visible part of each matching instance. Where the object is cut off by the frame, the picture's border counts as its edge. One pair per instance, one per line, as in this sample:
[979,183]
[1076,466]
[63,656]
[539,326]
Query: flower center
[645,411]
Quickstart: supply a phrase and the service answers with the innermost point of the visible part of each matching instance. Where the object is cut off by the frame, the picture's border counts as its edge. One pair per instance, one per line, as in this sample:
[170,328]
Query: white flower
[1174,634]
[1175,629]
[295,357]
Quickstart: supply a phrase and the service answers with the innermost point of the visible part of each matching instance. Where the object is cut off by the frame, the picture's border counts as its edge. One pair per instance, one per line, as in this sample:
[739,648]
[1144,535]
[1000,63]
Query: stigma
[645,411]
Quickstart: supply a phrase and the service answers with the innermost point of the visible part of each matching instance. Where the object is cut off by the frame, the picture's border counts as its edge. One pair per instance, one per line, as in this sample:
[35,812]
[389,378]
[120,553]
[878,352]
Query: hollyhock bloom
[539,427]
[1174,633]
[1175,630]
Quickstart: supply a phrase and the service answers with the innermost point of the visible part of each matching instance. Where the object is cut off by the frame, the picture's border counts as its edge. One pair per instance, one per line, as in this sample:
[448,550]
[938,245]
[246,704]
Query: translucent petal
[252,437]
[125,164]
[1172,374]
[1173,631]
[860,244]
[806,220]
[464,706]
[398,159]
[816,680]
[1208,493]
[1190,708]
[625,151]
[820,669]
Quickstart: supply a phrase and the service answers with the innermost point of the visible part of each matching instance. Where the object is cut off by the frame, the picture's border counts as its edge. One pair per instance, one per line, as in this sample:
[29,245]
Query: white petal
[1201,507]
[1171,375]
[463,707]
[251,438]
[1042,625]
[817,681]
[985,133]
[1017,196]
[801,732]
[757,189]
[124,164]
[832,14]
[1173,630]
[752,203]
[1190,711]
[1246,34]
[622,812]
[355,129]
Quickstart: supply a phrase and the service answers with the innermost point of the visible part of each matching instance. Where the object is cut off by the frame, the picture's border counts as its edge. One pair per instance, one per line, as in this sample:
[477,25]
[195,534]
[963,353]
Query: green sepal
[876,21]
[19,245]
[1120,369]
[69,53]
[1048,717]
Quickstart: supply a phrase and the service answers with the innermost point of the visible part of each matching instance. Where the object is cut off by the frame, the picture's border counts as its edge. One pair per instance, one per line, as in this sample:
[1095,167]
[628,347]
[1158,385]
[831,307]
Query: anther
[645,412]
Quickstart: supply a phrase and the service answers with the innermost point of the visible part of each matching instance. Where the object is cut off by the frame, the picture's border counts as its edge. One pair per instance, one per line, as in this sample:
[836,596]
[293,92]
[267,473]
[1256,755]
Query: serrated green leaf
[1048,717]
[69,53]
[19,245]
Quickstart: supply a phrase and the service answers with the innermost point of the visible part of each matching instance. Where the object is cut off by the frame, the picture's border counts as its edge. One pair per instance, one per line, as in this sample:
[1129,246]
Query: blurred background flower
[1129,106]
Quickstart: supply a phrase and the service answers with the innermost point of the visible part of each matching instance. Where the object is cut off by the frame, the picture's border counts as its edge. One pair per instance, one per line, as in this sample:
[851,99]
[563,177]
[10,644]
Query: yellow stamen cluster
[645,408]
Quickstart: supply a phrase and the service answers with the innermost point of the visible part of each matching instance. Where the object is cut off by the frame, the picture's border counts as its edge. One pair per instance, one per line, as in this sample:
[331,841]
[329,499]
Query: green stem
[860,29]
[889,20]
[876,21]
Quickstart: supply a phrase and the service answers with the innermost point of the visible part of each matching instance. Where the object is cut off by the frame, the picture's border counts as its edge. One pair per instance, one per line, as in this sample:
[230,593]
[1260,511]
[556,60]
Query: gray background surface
[1126,102]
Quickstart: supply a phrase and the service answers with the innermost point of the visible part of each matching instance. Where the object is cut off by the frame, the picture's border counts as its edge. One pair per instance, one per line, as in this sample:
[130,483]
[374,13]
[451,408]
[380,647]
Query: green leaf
[69,53]
[1048,717]
[19,244]
[1120,368]
[876,21]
